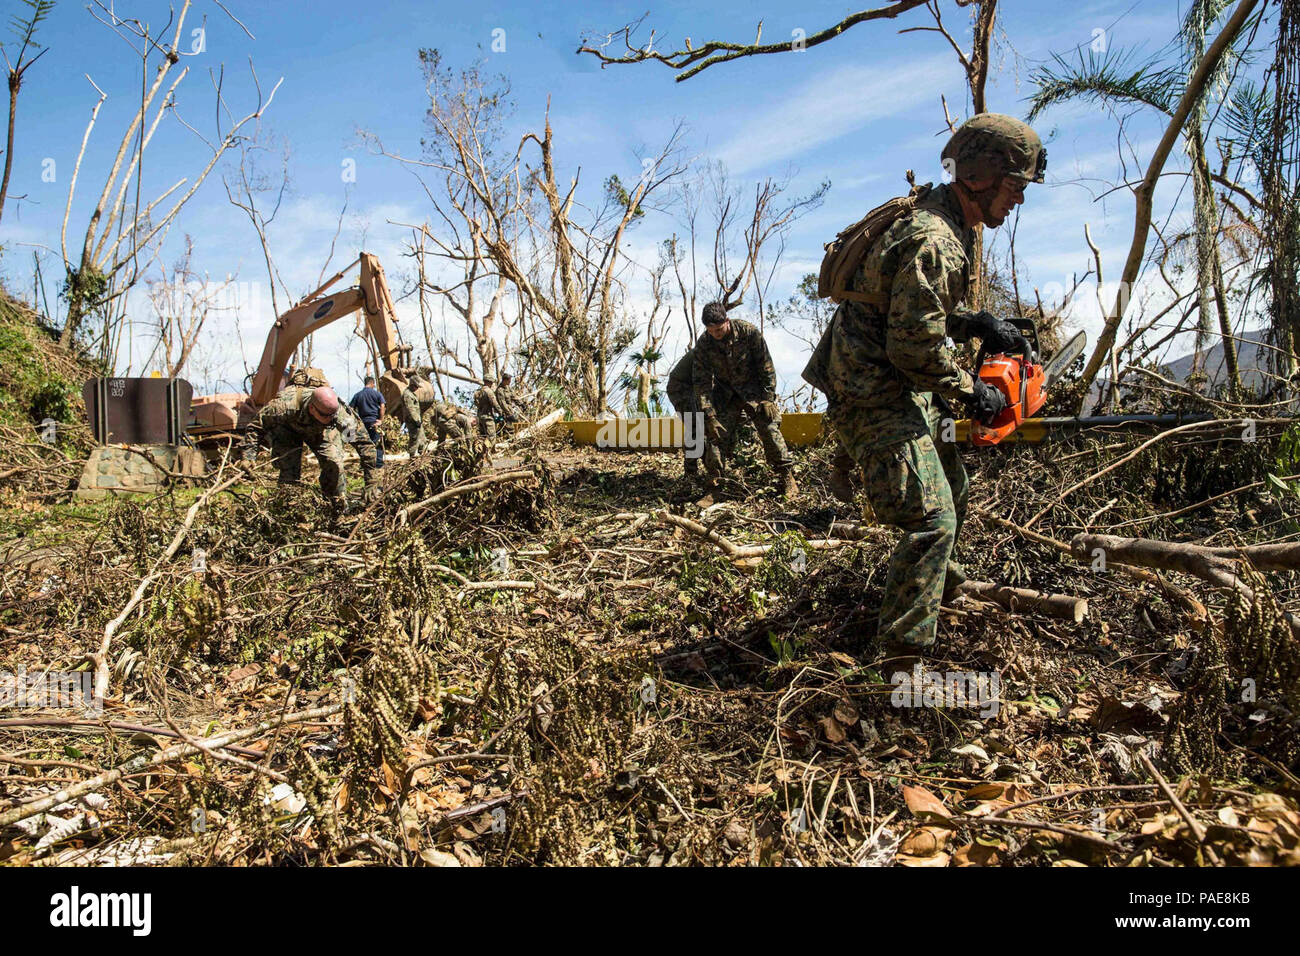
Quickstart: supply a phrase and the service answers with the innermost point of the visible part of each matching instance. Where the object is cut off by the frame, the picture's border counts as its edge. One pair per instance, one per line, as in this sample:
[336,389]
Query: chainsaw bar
[1055,367]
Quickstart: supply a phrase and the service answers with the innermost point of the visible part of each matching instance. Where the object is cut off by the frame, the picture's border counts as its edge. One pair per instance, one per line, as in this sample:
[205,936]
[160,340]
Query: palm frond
[1248,117]
[1107,78]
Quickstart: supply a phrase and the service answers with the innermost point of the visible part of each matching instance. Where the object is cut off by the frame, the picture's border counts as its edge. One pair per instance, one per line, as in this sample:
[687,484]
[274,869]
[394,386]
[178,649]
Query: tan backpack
[845,253]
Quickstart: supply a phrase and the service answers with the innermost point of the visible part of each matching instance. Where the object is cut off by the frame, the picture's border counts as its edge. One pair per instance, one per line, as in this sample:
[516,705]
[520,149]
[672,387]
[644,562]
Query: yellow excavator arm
[317,310]
[371,296]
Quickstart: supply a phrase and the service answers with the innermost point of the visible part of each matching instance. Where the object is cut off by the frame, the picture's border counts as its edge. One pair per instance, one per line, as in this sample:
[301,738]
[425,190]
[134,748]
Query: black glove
[997,335]
[986,403]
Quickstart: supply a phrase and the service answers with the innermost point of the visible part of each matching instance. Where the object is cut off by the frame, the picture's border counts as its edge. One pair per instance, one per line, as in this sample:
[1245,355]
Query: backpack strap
[878,299]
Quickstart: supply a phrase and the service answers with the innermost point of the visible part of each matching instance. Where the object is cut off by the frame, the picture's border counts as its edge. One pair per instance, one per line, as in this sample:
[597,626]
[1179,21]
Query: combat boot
[840,481]
[954,577]
[786,485]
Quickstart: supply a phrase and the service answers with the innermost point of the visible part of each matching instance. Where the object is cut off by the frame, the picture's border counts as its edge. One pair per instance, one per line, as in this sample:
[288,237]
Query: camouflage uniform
[735,376]
[510,402]
[890,377]
[285,424]
[488,407]
[890,372]
[409,414]
[447,422]
[681,392]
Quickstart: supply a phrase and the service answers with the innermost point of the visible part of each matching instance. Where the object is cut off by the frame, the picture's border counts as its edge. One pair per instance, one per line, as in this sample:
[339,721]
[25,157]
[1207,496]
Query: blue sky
[858,111]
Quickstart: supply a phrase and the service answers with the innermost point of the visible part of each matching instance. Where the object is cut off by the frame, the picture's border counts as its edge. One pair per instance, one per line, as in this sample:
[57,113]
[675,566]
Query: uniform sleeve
[926,290]
[763,365]
[259,428]
[366,451]
[702,381]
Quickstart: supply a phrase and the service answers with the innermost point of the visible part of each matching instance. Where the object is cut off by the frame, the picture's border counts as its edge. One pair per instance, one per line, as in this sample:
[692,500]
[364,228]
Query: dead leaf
[438,858]
[1268,805]
[976,854]
[985,791]
[925,841]
[924,804]
[972,750]
[235,676]
[543,706]
[832,729]
[845,713]
[938,859]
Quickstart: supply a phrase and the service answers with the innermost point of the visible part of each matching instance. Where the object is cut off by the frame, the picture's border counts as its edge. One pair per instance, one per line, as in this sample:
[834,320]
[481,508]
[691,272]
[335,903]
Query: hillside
[39,381]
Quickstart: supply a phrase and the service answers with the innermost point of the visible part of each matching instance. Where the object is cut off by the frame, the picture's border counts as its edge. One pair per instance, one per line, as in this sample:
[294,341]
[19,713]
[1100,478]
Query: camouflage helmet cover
[992,145]
[489,379]
[715,313]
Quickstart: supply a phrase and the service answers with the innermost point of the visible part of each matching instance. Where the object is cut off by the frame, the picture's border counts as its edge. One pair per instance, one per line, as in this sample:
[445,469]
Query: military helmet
[489,379]
[715,313]
[993,145]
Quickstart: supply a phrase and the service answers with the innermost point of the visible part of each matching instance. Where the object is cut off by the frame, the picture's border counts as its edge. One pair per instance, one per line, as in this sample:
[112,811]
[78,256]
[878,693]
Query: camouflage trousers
[768,427]
[413,420]
[448,428]
[684,405]
[286,453]
[919,486]
[487,426]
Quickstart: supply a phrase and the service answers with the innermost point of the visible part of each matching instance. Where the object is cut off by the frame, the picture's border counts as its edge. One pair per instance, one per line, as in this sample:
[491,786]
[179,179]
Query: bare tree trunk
[1145,192]
[14,81]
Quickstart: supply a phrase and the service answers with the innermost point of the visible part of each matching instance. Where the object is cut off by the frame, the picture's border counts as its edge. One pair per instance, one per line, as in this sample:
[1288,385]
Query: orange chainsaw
[1023,381]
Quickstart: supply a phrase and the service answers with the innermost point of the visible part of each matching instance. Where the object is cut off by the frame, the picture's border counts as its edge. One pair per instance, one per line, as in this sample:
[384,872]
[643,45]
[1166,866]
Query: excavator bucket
[391,385]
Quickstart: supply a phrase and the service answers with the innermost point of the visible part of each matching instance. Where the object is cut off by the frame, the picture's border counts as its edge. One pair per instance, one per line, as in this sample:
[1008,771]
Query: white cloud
[833,104]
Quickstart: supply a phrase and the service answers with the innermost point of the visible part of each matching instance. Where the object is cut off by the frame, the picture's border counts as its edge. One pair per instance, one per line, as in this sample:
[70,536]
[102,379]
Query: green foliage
[1288,451]
[706,586]
[83,289]
[783,564]
[617,193]
[54,398]
[24,29]
[1108,78]
[31,388]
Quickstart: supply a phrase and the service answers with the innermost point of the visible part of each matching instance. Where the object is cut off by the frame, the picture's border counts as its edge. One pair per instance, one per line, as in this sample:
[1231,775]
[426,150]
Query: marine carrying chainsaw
[1023,381]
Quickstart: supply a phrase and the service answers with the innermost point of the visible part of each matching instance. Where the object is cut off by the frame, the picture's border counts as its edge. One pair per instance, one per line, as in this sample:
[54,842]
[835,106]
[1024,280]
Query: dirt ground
[536,660]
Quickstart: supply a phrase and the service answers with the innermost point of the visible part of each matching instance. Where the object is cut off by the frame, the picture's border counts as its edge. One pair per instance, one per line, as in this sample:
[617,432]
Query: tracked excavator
[225,414]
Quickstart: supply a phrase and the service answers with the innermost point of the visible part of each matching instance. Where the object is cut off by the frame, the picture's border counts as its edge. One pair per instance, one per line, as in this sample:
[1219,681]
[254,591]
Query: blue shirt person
[369,406]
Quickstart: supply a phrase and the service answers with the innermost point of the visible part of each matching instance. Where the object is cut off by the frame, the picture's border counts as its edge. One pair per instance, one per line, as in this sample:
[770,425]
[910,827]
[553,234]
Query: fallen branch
[1190,605]
[1217,566]
[455,491]
[72,723]
[1198,831]
[1063,606]
[158,757]
[1241,423]
[537,427]
[740,553]
[100,658]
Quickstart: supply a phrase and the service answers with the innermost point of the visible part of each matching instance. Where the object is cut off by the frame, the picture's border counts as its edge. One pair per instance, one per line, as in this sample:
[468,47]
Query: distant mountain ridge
[1253,356]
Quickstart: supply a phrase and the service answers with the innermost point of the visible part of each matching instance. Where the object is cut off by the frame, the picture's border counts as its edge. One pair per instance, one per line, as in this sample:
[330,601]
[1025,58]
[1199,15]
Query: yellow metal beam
[798,428]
